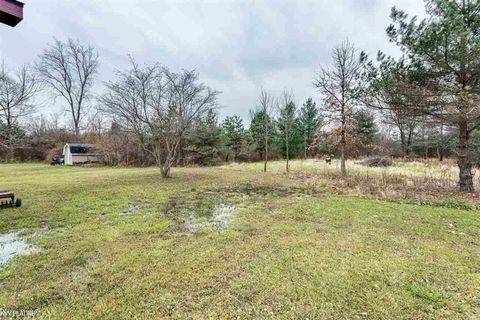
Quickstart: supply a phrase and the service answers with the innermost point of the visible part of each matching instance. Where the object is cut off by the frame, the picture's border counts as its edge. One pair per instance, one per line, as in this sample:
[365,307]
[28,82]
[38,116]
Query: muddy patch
[12,244]
[199,211]
[135,207]
[220,219]
[261,191]
[217,208]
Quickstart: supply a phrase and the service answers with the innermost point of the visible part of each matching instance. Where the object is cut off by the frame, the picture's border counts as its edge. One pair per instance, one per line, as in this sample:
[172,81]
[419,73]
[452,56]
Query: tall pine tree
[205,142]
[447,46]
[260,132]
[309,122]
[234,132]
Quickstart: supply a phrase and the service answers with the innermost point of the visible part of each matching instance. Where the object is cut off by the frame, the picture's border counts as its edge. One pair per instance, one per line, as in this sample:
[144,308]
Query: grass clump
[457,203]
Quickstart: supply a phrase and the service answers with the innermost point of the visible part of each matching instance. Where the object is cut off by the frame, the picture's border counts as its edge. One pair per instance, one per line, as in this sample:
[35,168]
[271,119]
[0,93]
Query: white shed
[79,154]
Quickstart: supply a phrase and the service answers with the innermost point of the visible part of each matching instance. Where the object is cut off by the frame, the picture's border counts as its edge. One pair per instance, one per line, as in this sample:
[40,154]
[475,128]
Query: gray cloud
[237,46]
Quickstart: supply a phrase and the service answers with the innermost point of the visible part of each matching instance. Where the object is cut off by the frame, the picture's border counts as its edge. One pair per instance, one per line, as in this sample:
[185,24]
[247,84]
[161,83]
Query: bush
[378,162]
[54,153]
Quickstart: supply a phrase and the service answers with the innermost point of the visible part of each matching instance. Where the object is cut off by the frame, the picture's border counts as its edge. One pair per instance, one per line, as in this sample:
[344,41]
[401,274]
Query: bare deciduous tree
[69,68]
[266,106]
[16,94]
[340,87]
[159,106]
[287,111]
[17,91]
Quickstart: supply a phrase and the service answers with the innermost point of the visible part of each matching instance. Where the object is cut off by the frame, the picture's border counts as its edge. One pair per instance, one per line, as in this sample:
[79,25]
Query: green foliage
[446,50]
[327,145]
[12,135]
[205,142]
[261,123]
[391,92]
[445,44]
[288,126]
[234,133]
[365,128]
[309,121]
[456,203]
[475,147]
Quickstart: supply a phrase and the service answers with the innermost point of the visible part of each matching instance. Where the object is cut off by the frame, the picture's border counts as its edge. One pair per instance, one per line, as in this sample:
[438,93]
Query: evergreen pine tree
[234,134]
[308,123]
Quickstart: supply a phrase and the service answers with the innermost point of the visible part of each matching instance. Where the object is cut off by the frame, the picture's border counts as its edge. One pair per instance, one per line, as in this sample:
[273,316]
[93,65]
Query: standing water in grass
[12,245]
[221,217]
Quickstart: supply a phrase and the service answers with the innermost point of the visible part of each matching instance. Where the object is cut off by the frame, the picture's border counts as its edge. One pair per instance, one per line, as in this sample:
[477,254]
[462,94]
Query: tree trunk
[425,142]
[343,142]
[403,143]
[10,157]
[180,157]
[165,167]
[266,153]
[288,169]
[165,171]
[305,146]
[440,153]
[464,164]
[76,125]
[440,145]
[409,141]
[170,158]
[266,160]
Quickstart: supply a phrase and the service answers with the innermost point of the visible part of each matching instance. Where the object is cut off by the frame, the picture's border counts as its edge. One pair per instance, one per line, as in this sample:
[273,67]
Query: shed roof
[86,145]
[81,149]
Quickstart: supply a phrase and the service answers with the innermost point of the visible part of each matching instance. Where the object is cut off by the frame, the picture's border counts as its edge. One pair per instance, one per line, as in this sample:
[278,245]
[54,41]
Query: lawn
[230,242]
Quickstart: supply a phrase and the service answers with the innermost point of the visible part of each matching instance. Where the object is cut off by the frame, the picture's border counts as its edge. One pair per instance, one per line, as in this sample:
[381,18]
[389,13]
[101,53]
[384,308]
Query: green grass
[289,253]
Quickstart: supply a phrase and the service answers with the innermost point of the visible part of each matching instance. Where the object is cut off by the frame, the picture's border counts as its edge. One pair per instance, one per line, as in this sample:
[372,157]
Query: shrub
[378,162]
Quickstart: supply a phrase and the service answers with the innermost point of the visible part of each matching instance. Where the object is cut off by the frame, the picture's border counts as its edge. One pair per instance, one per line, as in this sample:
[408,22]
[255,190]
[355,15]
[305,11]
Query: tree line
[424,103]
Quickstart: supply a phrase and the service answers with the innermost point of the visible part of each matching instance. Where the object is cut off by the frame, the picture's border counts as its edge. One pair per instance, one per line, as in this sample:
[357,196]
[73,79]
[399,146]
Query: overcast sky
[237,46]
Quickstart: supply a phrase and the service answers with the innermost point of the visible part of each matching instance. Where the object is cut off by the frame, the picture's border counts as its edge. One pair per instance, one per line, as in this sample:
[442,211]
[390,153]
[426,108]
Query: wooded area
[423,104]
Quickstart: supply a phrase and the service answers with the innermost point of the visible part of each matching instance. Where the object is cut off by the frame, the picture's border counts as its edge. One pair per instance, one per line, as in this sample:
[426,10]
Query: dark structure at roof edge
[11,12]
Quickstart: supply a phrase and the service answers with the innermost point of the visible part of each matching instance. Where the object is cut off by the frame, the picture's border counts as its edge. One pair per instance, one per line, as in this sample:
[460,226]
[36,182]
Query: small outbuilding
[76,153]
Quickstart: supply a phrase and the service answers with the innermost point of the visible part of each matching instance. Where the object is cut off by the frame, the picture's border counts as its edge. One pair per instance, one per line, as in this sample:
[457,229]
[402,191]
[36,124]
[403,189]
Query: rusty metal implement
[11,202]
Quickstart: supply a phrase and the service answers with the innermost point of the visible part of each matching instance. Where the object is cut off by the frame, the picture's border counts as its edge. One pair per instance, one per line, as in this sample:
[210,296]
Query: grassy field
[232,242]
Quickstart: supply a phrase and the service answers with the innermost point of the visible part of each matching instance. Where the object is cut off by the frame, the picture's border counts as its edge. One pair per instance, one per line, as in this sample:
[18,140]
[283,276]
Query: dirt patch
[134,208]
[12,244]
[253,190]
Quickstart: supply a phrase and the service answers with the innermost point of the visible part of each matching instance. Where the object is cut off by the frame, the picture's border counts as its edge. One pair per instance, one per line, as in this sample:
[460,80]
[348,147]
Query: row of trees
[437,81]
[309,131]
[174,113]
[430,96]
[291,133]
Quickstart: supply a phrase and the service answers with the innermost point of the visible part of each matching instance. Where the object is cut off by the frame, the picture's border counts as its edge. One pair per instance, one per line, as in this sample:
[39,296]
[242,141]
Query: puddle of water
[221,217]
[12,245]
